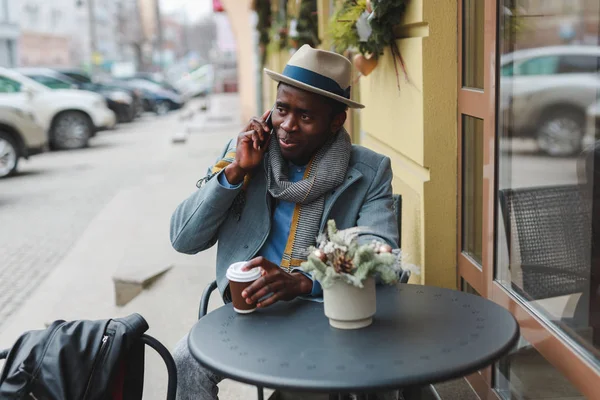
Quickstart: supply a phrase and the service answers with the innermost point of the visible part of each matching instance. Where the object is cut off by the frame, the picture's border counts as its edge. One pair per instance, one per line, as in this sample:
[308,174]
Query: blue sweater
[274,247]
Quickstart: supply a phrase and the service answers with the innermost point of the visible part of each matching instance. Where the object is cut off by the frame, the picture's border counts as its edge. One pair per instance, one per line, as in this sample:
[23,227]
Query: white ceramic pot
[349,307]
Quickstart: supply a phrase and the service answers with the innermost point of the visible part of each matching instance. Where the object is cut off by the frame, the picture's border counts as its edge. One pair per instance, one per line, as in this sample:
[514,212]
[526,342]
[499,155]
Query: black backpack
[82,360]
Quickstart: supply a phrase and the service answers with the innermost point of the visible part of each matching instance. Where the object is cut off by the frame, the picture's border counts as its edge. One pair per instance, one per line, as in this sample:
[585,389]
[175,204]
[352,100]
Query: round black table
[420,335]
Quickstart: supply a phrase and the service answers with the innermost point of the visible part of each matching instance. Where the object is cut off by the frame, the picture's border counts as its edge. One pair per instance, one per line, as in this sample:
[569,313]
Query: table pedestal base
[361,323]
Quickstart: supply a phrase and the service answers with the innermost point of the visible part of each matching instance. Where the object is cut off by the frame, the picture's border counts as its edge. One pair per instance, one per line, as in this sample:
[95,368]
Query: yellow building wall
[275,62]
[416,127]
[239,14]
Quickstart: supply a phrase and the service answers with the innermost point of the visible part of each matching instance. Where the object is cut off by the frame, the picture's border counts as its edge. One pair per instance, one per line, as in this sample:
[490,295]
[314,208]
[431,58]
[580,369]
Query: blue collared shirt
[281,224]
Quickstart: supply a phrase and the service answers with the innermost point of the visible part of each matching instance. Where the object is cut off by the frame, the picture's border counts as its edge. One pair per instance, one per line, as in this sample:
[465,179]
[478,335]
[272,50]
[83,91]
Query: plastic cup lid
[235,273]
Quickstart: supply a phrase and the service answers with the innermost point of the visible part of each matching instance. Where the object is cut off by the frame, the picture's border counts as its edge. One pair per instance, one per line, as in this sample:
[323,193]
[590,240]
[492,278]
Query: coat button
[245,246]
[350,177]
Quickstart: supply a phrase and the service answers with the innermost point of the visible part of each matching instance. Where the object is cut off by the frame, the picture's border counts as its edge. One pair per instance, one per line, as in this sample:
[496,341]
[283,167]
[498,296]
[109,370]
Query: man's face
[303,122]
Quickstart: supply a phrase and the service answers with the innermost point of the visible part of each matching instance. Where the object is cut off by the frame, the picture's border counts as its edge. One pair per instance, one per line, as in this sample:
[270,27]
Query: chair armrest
[169,362]
[206,298]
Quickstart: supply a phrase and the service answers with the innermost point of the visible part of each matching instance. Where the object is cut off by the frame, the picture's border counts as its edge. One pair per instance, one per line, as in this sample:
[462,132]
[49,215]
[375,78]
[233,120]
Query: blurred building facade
[150,26]
[65,27]
[130,40]
[553,22]
[9,32]
[223,55]
[48,25]
[174,40]
[106,29]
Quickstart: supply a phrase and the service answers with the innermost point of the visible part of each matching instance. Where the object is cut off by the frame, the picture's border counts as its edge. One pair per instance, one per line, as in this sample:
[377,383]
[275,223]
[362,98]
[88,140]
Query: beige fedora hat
[322,72]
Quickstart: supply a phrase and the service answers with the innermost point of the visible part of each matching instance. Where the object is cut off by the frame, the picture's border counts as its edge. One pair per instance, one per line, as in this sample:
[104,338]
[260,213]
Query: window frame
[483,104]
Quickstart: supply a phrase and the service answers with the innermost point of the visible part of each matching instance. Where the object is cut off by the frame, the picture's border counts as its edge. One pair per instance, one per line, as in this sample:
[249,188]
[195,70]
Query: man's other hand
[250,149]
[283,285]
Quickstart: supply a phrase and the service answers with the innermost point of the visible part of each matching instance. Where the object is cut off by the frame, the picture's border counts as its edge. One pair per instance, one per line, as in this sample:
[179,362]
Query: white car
[545,92]
[69,116]
[197,83]
[21,136]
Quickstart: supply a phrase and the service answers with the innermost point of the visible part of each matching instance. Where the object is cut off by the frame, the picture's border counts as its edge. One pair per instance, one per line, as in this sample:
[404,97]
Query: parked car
[21,136]
[545,92]
[154,78]
[104,86]
[197,83]
[70,116]
[119,101]
[160,99]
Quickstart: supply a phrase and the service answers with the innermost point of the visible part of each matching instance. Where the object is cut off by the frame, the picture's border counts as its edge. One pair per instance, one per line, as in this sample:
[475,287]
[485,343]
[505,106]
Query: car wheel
[71,130]
[162,108]
[560,134]
[9,155]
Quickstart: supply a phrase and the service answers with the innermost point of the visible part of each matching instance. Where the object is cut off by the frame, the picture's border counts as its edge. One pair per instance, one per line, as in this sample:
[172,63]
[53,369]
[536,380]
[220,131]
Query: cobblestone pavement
[47,206]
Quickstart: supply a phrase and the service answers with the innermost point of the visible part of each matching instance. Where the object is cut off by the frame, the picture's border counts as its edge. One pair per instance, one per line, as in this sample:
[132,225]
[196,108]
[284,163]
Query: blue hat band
[316,80]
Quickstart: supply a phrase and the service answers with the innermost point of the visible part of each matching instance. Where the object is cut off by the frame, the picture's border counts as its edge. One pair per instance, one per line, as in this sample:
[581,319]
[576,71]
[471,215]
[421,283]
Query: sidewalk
[132,231]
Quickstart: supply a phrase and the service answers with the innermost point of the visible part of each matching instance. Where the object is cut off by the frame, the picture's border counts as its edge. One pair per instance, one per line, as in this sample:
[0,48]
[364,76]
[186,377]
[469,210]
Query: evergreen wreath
[307,25]
[339,256]
[382,18]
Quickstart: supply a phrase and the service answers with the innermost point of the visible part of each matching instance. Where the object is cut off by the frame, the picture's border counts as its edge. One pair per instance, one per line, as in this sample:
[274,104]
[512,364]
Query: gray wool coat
[205,217]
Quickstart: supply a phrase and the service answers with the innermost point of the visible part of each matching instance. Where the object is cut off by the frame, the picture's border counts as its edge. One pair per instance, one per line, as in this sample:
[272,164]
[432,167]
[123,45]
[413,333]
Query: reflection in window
[466,287]
[525,374]
[507,69]
[472,175]
[579,64]
[538,66]
[546,237]
[473,22]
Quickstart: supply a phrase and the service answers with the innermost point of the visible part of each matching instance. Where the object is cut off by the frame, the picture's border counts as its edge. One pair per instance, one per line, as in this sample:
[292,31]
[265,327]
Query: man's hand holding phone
[251,146]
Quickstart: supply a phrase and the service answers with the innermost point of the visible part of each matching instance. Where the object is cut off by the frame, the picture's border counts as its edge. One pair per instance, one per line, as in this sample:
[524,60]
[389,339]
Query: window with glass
[9,86]
[579,64]
[537,66]
[50,82]
[472,176]
[548,180]
[472,59]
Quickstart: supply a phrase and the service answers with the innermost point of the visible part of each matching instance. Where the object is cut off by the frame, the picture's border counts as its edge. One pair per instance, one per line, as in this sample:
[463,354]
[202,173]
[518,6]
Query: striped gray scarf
[325,172]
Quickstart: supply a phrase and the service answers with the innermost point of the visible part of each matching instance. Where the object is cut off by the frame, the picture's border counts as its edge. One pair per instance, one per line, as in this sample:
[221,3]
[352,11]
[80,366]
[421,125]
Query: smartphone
[269,120]
[269,123]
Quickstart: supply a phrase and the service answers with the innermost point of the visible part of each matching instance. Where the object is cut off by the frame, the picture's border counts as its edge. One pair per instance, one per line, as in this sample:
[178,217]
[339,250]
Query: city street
[74,220]
[45,208]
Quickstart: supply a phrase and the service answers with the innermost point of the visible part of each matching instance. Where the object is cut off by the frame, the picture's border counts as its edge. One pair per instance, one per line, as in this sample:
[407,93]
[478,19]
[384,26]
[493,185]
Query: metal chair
[550,229]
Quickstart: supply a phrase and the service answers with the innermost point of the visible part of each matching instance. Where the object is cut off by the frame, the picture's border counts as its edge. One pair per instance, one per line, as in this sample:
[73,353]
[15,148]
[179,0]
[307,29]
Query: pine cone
[342,264]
